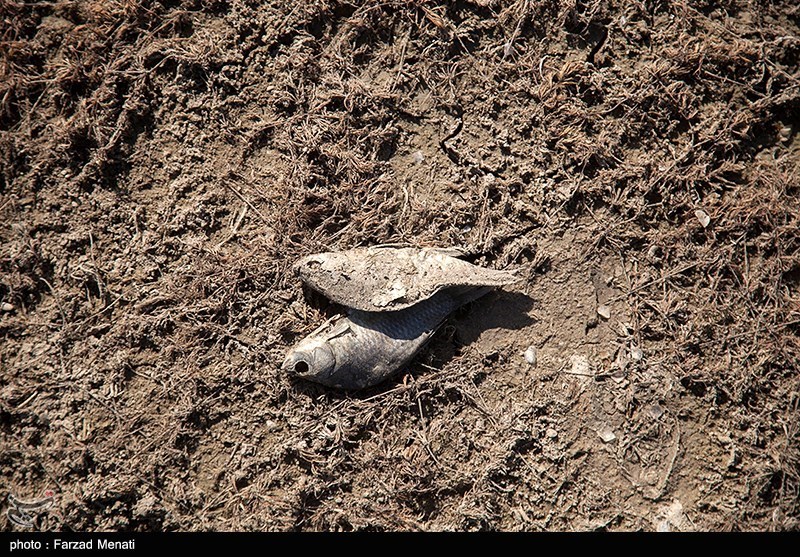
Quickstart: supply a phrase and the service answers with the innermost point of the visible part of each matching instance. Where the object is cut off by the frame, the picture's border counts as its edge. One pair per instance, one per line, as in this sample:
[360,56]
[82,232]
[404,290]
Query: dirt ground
[163,164]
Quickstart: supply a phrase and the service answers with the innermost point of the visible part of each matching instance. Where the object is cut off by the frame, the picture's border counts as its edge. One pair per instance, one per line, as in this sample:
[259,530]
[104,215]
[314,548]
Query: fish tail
[503,278]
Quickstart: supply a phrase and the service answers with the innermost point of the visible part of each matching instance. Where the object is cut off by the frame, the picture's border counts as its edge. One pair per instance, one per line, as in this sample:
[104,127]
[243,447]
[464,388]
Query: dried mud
[163,164]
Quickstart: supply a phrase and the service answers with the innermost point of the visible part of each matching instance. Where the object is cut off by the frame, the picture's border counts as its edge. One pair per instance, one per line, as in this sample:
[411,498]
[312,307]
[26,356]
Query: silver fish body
[365,348]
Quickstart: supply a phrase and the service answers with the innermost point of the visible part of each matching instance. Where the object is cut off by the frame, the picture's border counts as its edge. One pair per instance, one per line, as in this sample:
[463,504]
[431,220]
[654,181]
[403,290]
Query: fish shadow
[499,309]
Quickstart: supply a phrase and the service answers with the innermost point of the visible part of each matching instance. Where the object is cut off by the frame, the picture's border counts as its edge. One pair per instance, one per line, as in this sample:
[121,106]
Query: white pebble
[703,217]
[7,307]
[606,434]
[604,311]
[530,355]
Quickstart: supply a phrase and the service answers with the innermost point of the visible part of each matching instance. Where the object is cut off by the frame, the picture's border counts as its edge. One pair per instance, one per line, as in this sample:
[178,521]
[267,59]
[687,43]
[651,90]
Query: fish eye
[313,262]
[301,367]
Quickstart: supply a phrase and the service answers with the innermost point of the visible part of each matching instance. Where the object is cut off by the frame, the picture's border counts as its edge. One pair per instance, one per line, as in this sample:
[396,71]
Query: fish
[361,349]
[385,278]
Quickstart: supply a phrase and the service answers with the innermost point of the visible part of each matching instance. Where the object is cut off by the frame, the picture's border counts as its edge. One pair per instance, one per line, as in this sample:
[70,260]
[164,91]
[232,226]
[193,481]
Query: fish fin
[332,327]
[452,252]
[338,328]
[510,276]
[496,277]
[395,245]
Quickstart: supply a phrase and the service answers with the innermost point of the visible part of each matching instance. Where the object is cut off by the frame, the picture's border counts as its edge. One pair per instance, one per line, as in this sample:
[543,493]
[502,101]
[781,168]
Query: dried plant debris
[163,165]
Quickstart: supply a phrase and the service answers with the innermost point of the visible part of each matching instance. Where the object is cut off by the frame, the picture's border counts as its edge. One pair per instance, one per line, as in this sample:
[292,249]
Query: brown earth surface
[163,164]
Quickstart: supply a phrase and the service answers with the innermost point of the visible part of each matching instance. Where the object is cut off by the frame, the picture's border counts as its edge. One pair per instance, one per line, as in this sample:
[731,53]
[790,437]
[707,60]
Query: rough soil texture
[163,164]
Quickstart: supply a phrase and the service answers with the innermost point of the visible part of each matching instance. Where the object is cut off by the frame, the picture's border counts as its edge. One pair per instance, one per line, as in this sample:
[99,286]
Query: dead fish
[387,278]
[365,348]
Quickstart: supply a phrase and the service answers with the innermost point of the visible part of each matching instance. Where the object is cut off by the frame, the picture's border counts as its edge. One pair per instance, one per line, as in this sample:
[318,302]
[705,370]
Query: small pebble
[636,354]
[606,434]
[417,156]
[604,311]
[618,376]
[703,217]
[7,307]
[551,433]
[655,411]
[530,355]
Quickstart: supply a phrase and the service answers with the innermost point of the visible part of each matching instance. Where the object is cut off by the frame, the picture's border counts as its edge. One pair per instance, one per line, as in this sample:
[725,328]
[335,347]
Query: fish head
[321,270]
[327,262]
[312,358]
